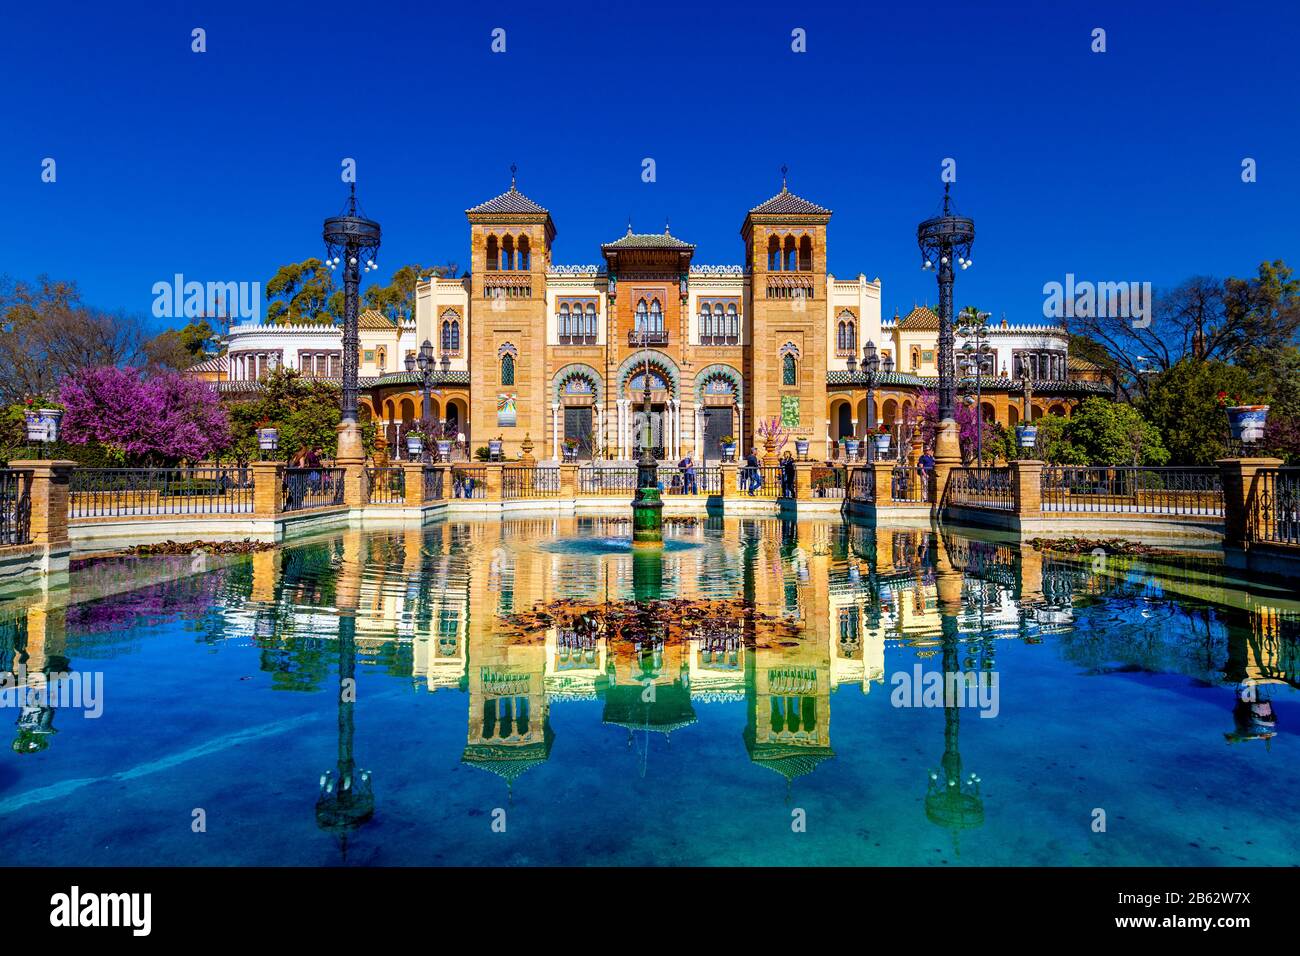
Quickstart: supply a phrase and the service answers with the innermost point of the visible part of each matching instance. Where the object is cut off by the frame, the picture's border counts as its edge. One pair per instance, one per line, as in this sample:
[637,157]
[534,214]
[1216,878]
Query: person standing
[787,475]
[924,469]
[753,480]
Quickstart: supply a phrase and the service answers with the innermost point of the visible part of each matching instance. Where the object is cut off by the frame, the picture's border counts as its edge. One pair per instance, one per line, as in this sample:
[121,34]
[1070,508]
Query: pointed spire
[513,169]
[666,231]
[629,225]
[784,171]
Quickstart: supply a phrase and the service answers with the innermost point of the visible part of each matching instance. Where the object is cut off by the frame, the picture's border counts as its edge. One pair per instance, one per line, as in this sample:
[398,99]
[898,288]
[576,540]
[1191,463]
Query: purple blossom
[166,417]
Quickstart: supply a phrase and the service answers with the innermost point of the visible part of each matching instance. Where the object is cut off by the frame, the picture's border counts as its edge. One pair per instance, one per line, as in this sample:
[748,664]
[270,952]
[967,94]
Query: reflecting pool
[537,691]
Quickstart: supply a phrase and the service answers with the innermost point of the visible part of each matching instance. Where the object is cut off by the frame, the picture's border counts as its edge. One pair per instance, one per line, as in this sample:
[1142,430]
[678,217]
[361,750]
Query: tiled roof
[919,319]
[374,319]
[511,201]
[786,203]
[217,363]
[1075,364]
[636,240]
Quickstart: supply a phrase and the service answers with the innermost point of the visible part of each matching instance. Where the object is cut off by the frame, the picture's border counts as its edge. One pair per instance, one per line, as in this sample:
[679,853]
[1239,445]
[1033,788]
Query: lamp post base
[647,517]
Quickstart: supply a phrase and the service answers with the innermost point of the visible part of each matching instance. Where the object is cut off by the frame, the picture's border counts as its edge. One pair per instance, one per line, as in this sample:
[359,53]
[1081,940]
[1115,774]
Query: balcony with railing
[641,338]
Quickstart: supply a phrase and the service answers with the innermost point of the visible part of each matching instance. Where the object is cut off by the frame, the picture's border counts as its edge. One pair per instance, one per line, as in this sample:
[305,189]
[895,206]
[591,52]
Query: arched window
[524,253]
[591,321]
[774,254]
[565,331]
[450,332]
[916,358]
[706,324]
[381,358]
[507,369]
[493,254]
[790,254]
[656,316]
[805,254]
[789,370]
[641,316]
[508,253]
[733,325]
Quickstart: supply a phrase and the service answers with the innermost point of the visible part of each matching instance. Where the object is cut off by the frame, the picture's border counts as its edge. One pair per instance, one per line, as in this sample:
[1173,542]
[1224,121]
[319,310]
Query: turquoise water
[705,733]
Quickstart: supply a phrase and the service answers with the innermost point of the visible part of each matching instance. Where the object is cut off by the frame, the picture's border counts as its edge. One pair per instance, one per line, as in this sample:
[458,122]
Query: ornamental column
[555,430]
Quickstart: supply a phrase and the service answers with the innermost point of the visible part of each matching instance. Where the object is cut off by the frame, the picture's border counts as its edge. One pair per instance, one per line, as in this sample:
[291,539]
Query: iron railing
[530,481]
[468,482]
[312,488]
[831,482]
[603,480]
[433,482]
[908,484]
[385,486]
[861,484]
[707,480]
[1274,515]
[15,507]
[121,492]
[989,488]
[1132,489]
[763,481]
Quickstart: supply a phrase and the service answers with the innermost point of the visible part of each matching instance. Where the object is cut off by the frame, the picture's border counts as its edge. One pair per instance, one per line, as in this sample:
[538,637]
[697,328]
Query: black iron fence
[909,484]
[609,480]
[762,481]
[1133,489]
[312,488]
[433,482]
[700,481]
[1274,516]
[15,506]
[468,482]
[123,492]
[831,482]
[861,484]
[530,481]
[989,488]
[386,486]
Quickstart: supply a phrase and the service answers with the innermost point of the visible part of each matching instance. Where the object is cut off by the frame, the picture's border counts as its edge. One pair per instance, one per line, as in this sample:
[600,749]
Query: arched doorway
[717,397]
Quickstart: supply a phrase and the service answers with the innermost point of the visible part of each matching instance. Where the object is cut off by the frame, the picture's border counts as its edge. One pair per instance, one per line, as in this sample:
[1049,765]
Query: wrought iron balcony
[640,337]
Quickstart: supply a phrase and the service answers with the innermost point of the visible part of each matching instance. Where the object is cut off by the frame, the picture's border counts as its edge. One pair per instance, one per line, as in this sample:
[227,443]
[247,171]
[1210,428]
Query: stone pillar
[730,480]
[1027,487]
[803,489]
[268,488]
[555,430]
[48,521]
[884,480]
[1238,478]
[492,481]
[413,480]
[351,457]
[947,456]
[568,481]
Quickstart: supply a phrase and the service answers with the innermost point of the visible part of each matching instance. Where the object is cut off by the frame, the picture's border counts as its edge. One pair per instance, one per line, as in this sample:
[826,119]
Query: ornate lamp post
[871,366]
[977,355]
[940,239]
[351,239]
[647,507]
[426,364]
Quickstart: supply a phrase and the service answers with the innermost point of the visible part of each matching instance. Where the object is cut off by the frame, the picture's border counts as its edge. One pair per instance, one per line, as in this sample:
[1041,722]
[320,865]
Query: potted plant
[851,447]
[801,448]
[494,448]
[268,439]
[570,449]
[1026,435]
[414,444]
[1245,421]
[728,448]
[882,437]
[42,422]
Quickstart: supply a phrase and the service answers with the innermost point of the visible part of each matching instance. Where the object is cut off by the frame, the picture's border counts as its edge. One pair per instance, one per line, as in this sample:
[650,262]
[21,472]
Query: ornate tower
[785,253]
[510,250]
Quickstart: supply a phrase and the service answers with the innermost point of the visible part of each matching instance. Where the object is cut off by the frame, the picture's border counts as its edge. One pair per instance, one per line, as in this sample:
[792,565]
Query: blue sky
[221,165]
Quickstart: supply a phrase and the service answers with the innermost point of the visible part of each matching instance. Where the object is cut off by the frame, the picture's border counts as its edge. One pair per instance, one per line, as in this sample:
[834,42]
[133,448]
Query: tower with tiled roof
[785,253]
[510,251]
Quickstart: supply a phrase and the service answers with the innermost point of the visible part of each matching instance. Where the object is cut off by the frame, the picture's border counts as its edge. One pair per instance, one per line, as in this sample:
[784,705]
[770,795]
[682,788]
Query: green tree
[1183,405]
[1109,433]
[303,292]
[180,348]
[305,410]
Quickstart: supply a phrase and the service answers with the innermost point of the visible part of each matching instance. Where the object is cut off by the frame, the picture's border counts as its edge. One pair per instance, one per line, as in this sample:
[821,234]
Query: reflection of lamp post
[939,239]
[647,508]
[426,365]
[355,238]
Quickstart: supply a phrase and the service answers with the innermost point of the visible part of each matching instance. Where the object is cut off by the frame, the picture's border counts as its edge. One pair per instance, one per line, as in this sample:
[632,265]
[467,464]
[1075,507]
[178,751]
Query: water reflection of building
[509,723]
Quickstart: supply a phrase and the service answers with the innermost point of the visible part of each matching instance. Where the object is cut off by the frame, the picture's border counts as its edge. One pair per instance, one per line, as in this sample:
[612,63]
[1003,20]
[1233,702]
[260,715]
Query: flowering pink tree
[165,418]
[968,426]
